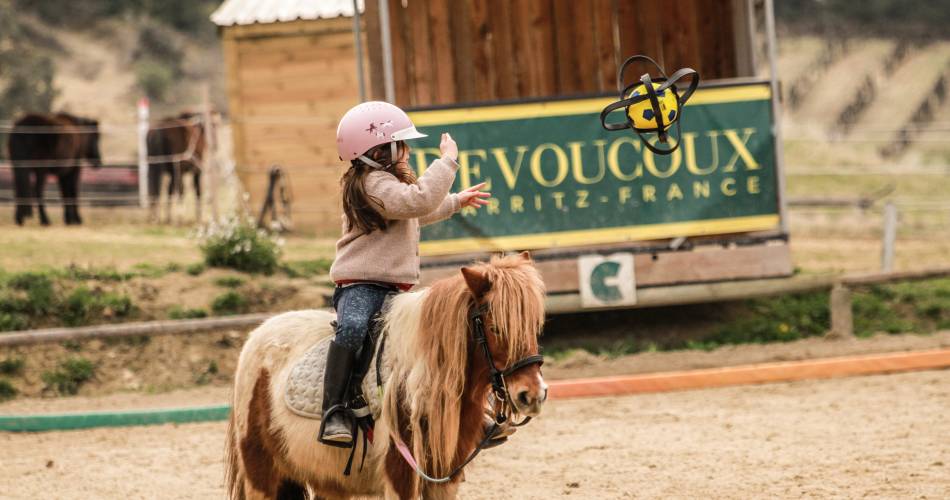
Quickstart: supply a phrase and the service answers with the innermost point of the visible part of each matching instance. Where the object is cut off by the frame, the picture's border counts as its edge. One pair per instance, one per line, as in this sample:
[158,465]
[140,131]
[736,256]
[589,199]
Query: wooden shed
[291,73]
[292,67]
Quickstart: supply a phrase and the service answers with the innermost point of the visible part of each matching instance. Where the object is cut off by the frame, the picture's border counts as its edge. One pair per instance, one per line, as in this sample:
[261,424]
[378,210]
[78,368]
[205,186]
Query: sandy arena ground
[879,436]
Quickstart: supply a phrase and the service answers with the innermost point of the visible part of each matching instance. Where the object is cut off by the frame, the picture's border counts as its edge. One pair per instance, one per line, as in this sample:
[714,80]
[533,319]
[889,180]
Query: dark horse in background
[51,144]
[176,147]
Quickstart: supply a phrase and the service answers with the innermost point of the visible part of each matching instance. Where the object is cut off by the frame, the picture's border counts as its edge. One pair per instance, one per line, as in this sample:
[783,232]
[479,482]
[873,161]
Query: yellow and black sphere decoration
[651,106]
[642,114]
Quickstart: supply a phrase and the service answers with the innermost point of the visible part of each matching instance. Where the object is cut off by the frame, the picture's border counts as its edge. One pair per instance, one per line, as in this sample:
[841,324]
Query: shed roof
[241,12]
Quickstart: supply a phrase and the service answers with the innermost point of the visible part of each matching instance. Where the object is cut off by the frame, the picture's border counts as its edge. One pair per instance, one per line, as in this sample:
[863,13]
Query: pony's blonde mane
[427,333]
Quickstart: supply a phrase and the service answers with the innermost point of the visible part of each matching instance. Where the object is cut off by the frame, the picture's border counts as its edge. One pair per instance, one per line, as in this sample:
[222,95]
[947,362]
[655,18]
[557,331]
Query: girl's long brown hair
[362,209]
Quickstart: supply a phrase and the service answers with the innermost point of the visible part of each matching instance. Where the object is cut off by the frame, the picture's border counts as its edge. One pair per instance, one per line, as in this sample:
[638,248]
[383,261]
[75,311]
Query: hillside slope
[99,72]
[896,82]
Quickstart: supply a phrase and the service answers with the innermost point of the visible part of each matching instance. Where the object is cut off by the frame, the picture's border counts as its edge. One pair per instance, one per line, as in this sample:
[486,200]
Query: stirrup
[357,424]
[323,423]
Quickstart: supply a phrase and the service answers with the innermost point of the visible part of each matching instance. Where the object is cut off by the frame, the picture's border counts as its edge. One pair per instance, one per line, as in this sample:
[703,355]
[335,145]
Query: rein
[502,402]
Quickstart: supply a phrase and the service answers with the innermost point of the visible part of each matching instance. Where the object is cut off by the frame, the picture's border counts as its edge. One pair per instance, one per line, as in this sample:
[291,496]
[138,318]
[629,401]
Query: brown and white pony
[436,381]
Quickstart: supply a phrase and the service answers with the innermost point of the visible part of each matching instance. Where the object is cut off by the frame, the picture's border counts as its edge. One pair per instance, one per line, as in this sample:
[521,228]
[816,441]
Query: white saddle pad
[304,394]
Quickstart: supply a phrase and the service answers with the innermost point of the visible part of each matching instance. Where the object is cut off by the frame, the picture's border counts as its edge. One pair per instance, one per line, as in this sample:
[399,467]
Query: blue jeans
[356,307]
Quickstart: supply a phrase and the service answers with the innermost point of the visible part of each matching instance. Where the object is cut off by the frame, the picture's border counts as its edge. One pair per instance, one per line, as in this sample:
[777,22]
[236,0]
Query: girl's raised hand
[473,196]
[448,147]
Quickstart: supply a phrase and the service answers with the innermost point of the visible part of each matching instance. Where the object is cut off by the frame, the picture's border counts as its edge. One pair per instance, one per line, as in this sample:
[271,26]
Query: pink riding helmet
[370,124]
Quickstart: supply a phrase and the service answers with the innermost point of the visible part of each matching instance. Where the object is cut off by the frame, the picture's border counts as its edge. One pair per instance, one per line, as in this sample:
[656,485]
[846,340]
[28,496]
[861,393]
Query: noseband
[499,387]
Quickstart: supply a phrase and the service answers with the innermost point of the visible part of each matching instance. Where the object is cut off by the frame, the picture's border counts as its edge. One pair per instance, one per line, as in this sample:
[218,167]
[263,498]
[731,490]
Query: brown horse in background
[435,387]
[51,144]
[176,147]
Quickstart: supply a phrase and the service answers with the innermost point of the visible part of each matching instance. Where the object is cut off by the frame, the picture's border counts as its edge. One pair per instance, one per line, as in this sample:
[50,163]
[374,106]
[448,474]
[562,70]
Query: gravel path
[878,436]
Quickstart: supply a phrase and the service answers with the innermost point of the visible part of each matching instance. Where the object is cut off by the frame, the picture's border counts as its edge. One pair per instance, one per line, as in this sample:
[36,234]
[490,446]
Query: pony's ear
[526,255]
[477,282]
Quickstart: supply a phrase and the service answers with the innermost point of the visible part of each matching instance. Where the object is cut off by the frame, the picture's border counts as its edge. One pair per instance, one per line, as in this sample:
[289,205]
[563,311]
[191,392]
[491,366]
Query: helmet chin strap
[369,161]
[375,164]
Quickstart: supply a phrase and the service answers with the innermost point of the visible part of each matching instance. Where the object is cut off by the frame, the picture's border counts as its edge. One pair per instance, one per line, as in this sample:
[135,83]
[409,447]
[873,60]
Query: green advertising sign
[559,179]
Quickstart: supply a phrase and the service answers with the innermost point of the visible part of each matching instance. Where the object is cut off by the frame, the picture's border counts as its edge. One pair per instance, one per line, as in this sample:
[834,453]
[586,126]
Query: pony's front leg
[251,493]
[69,192]
[389,493]
[171,193]
[196,177]
[400,482]
[38,189]
[446,491]
[22,192]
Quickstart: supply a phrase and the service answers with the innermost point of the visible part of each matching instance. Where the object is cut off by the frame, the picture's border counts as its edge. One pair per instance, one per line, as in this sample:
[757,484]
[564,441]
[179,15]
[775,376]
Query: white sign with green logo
[607,280]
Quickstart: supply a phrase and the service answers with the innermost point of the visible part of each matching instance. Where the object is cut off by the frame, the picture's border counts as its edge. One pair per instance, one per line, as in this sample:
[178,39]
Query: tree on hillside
[26,78]
[894,17]
[187,16]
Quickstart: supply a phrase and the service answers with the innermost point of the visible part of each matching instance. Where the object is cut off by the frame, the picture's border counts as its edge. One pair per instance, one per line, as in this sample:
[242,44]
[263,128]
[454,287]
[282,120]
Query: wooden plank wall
[459,51]
[288,85]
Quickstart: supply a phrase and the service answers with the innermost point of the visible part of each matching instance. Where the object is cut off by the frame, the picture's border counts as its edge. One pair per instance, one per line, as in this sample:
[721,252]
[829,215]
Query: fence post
[143,151]
[842,321]
[890,237]
[211,160]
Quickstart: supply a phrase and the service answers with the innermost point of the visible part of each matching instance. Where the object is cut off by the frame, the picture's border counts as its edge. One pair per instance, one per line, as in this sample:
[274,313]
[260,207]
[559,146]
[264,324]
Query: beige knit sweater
[392,255]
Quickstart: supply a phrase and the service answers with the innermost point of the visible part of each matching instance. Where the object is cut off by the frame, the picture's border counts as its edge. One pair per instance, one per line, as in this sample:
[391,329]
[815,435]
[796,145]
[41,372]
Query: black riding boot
[337,426]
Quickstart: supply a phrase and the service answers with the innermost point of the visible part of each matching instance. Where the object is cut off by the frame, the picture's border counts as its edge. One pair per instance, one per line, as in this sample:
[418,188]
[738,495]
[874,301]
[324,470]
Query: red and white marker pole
[143,151]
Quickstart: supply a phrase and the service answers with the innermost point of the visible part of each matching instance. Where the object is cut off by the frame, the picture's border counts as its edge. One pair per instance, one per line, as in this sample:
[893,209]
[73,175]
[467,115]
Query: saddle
[304,391]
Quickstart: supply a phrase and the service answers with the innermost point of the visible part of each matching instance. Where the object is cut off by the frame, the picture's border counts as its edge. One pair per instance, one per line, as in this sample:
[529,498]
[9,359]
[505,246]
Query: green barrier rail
[71,421]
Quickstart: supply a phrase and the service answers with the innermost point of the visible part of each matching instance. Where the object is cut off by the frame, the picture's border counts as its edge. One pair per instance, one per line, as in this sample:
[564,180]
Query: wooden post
[210,157]
[890,237]
[358,35]
[856,280]
[143,151]
[842,320]
[772,40]
[384,26]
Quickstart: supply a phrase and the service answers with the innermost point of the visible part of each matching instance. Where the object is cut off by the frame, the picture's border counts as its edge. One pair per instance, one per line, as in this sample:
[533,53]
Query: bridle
[502,398]
[502,403]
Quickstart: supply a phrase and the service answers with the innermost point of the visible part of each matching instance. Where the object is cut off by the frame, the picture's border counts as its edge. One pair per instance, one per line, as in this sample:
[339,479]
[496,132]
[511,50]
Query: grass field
[120,246]
[836,240]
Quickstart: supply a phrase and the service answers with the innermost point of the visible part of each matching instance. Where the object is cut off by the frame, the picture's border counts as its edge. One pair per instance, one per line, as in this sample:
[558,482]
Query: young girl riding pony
[384,205]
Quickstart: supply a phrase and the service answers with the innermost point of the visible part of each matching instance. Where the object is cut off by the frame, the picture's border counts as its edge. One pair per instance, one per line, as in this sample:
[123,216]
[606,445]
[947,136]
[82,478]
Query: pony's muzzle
[528,400]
